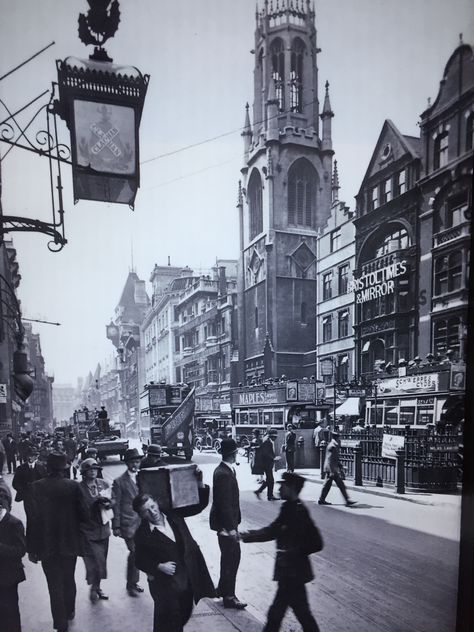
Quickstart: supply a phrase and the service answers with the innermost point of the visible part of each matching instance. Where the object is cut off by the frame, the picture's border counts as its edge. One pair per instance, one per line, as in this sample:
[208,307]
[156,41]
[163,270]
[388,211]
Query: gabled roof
[390,146]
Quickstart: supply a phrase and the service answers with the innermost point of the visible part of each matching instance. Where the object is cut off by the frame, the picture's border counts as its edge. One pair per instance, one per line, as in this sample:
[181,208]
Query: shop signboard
[3,393]
[306,392]
[378,282]
[390,444]
[409,384]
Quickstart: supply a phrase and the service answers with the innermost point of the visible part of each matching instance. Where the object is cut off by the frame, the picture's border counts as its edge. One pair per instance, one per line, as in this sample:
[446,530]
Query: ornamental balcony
[451,234]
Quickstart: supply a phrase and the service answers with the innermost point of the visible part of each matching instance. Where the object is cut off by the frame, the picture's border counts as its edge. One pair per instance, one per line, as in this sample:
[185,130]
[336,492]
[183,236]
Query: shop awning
[349,407]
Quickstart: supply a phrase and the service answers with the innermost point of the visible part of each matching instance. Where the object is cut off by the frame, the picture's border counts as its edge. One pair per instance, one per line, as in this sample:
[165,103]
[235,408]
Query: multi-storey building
[387,253]
[285,196]
[204,327]
[38,411]
[447,140]
[124,333]
[335,300]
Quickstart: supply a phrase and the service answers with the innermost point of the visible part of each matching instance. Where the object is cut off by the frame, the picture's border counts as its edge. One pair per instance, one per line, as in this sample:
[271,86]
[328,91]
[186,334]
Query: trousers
[59,571]
[9,610]
[172,608]
[291,594]
[230,560]
[268,482]
[327,486]
[133,574]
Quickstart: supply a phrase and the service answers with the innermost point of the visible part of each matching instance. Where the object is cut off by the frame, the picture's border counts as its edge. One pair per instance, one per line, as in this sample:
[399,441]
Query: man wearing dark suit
[296,538]
[334,472]
[267,460]
[176,569]
[225,519]
[25,474]
[11,450]
[12,549]
[125,521]
[57,508]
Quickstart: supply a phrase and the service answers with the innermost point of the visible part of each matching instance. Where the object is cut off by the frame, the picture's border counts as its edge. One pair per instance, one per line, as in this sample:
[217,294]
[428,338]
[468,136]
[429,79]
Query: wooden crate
[172,486]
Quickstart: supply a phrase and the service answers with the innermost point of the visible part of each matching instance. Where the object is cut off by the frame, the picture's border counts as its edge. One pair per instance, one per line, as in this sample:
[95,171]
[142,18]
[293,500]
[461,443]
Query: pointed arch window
[255,204]
[296,76]
[302,180]
[278,71]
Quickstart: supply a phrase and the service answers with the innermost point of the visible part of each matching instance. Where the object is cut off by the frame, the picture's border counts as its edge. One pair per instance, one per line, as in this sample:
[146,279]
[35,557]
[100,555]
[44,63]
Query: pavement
[418,538]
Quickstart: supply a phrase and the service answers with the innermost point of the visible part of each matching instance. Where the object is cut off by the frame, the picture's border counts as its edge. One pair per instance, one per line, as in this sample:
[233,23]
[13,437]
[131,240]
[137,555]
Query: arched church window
[278,71]
[296,76]
[255,204]
[302,180]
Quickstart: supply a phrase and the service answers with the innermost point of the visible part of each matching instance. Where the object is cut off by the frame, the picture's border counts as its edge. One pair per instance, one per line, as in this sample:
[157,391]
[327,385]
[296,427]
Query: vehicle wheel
[217,445]
[198,445]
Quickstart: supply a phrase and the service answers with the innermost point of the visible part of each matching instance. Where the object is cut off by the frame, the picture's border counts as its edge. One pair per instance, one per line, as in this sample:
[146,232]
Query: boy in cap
[296,537]
[225,519]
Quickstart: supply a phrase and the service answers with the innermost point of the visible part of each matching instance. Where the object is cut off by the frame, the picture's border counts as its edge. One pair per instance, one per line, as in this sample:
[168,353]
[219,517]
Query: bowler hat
[273,432]
[227,447]
[56,461]
[154,449]
[131,453]
[292,480]
[89,464]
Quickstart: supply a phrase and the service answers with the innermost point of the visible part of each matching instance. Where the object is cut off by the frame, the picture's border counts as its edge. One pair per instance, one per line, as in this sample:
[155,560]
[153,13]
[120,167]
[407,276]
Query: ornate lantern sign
[102,104]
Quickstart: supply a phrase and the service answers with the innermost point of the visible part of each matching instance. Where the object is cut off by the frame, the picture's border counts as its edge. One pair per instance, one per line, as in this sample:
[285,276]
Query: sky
[383,59]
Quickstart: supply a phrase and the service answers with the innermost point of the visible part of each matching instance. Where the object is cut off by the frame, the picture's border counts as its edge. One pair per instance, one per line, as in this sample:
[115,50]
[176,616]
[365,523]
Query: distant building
[38,411]
[64,403]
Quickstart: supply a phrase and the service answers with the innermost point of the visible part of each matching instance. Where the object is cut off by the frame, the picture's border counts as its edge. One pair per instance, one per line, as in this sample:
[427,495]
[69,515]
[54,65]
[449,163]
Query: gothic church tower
[284,195]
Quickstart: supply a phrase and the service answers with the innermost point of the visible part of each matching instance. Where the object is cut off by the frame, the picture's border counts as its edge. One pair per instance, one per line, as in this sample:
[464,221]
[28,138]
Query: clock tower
[284,195]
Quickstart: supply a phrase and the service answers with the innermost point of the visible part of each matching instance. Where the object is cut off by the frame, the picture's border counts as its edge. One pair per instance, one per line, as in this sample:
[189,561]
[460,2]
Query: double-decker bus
[167,411]
[275,404]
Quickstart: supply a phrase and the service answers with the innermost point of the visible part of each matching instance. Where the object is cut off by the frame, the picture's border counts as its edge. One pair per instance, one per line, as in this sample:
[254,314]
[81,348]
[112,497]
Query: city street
[387,566]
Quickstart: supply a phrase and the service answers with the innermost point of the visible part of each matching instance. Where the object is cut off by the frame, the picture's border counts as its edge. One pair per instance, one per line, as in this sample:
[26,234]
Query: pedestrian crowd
[67,519]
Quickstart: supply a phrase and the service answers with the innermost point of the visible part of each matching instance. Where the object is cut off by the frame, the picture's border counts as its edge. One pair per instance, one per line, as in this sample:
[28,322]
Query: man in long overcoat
[176,569]
[225,519]
[11,451]
[296,537]
[334,472]
[25,474]
[125,521]
[57,508]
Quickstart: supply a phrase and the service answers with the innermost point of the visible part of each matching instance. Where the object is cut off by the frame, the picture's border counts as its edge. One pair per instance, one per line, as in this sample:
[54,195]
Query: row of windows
[454,212]
[302,191]
[342,282]
[341,366]
[392,187]
[331,321]
[193,338]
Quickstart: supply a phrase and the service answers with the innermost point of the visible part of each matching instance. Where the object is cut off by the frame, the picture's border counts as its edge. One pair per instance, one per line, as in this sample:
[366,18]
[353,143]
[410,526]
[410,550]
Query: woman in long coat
[95,533]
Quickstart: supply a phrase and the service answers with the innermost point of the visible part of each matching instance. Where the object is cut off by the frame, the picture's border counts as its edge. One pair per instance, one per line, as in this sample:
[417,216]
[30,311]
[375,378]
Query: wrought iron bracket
[45,143]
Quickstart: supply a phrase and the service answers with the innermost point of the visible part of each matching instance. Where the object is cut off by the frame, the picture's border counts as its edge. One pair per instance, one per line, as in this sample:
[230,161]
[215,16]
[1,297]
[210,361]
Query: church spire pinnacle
[335,183]
[247,133]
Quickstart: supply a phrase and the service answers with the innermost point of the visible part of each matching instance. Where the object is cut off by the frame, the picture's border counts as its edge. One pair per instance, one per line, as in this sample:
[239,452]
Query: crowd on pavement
[67,518]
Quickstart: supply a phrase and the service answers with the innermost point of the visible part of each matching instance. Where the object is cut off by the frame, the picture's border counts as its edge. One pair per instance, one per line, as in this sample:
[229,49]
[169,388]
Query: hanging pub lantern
[102,105]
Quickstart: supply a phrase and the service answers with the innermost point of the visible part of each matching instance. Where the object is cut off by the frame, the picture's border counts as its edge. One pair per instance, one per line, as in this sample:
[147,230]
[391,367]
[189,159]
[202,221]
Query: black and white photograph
[236,364]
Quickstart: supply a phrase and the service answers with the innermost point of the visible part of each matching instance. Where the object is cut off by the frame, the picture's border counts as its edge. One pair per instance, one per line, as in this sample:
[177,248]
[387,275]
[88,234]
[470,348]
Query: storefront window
[425,415]
[407,415]
[278,418]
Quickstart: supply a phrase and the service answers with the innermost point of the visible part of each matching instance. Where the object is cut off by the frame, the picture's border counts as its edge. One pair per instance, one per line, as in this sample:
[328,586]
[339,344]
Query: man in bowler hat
[176,569]
[297,537]
[12,549]
[57,508]
[125,521]
[153,457]
[225,519]
[334,472]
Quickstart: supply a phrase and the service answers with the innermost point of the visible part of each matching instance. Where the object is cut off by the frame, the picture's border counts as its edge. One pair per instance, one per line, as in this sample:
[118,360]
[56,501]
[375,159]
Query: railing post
[358,465]
[322,447]
[400,471]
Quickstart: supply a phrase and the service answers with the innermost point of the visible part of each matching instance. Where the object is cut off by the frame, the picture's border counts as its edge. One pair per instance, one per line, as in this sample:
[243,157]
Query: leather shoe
[233,602]
[323,502]
[132,592]
[101,594]
[93,595]
[138,588]
[349,503]
[257,494]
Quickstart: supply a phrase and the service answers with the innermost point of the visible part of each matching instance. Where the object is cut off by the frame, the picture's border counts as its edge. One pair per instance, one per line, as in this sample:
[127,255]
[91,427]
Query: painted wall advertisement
[421,383]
